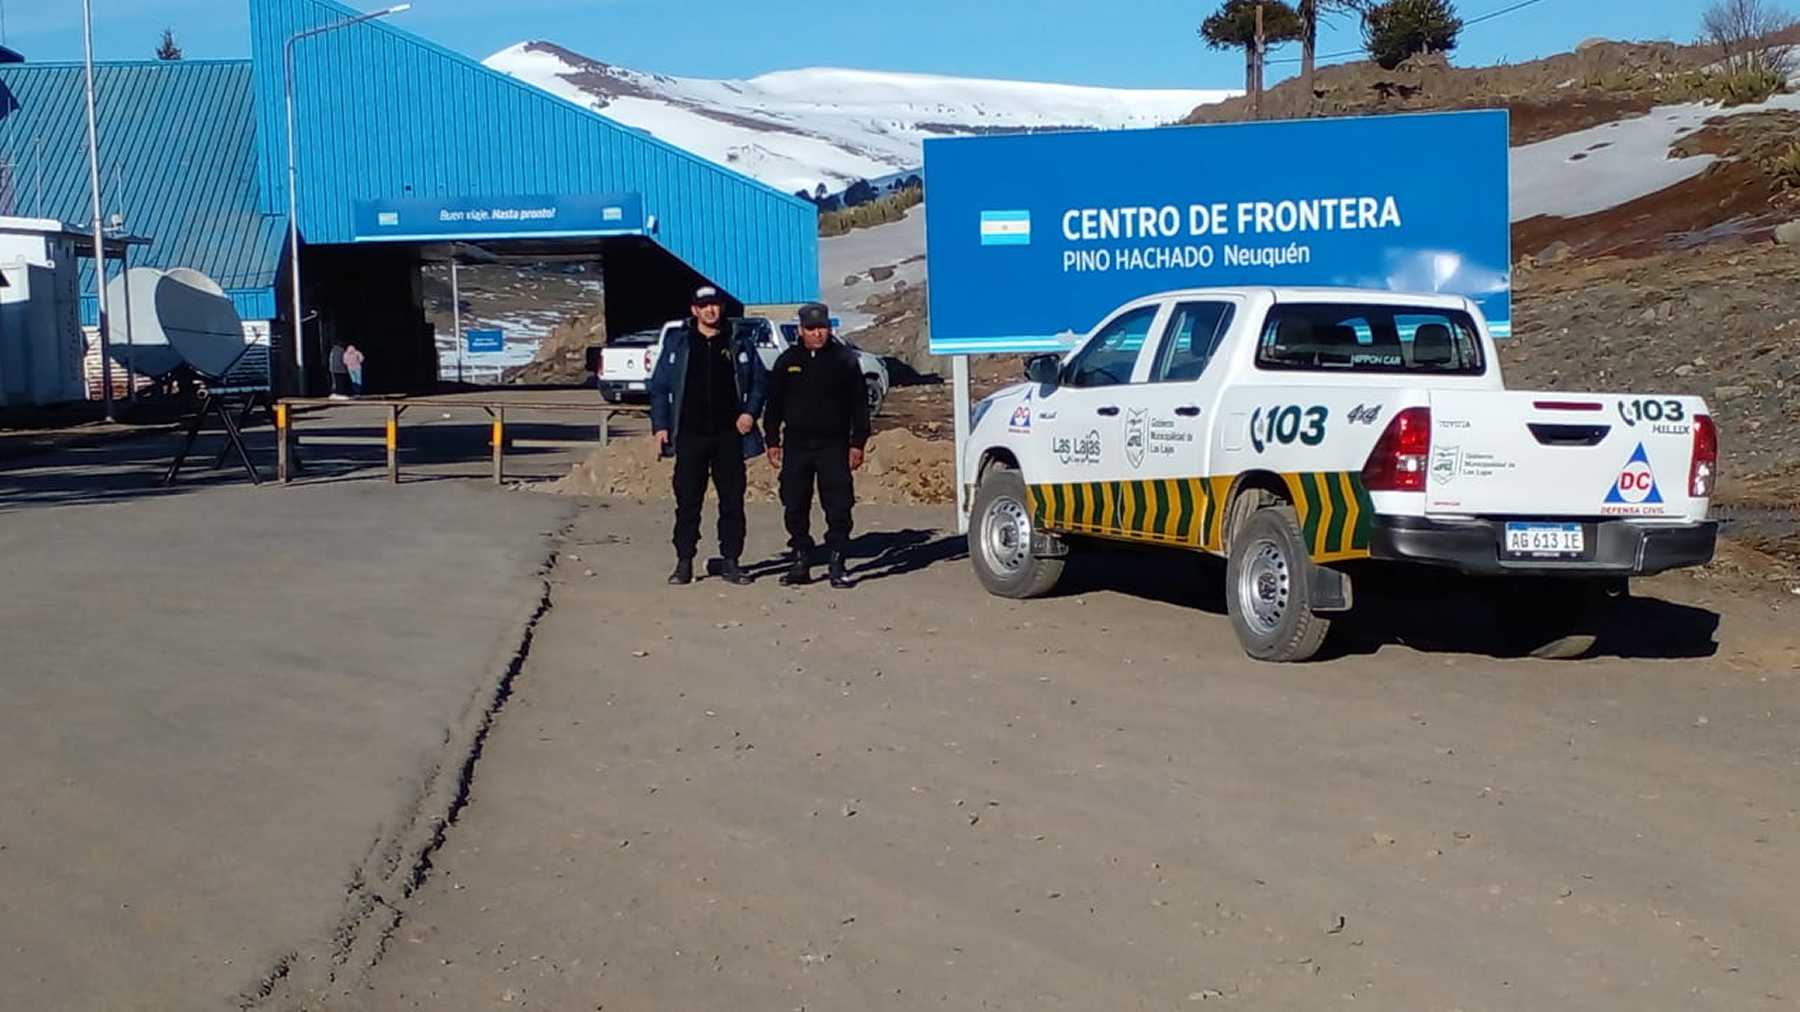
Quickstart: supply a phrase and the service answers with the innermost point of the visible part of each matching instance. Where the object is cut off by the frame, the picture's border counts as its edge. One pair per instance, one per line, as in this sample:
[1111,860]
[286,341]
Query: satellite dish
[177,317]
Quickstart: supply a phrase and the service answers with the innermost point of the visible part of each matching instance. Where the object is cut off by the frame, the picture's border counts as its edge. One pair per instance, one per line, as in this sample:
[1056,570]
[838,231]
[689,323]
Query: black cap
[815,314]
[707,295]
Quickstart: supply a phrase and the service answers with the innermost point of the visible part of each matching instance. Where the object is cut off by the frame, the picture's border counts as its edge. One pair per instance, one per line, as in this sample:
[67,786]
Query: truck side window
[1108,359]
[1193,336]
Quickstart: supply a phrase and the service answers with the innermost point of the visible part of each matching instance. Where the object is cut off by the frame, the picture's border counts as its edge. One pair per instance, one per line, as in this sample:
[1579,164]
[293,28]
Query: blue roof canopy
[177,162]
[383,114]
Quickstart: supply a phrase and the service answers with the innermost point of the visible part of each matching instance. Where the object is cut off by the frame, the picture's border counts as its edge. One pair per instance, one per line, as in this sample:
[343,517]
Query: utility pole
[1261,49]
[106,391]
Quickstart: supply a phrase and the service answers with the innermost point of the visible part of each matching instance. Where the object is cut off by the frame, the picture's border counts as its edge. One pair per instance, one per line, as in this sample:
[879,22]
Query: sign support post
[456,316]
[959,395]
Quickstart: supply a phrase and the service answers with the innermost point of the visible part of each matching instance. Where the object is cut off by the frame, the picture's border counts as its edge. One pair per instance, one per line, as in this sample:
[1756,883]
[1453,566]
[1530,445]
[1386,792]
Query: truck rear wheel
[1267,589]
[1000,529]
[870,383]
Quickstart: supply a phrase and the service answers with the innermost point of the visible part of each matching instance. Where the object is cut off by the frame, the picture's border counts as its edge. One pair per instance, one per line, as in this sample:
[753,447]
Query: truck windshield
[637,338]
[1358,338]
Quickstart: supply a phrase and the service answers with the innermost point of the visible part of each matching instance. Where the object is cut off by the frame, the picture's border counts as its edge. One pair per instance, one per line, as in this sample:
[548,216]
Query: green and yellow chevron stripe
[1333,508]
[1334,511]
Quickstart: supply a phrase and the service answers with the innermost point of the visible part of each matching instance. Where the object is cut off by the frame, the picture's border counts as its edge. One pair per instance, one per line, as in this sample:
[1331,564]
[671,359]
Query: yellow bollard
[393,444]
[281,442]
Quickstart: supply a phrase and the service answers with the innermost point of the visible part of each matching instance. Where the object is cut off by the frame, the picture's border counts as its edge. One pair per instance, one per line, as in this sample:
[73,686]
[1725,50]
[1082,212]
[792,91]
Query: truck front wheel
[1267,590]
[1000,532]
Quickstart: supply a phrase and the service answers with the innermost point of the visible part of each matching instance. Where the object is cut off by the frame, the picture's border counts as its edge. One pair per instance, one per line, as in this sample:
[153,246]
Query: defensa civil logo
[1006,228]
[1635,491]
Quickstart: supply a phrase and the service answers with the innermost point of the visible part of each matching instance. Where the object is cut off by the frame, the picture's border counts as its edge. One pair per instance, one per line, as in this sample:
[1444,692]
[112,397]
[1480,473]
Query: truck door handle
[1188,411]
[1568,435]
[1109,411]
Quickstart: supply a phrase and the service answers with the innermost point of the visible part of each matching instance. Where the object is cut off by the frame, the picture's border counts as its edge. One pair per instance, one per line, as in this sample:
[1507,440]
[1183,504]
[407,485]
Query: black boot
[799,574]
[683,574]
[734,574]
[839,578]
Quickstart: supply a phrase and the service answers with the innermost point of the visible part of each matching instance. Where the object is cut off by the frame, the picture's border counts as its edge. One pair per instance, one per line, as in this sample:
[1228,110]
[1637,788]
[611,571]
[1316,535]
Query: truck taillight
[1402,454]
[649,360]
[1704,471]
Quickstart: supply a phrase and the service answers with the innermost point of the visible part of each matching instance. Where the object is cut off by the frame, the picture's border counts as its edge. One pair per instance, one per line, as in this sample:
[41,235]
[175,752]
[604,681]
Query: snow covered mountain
[797,129]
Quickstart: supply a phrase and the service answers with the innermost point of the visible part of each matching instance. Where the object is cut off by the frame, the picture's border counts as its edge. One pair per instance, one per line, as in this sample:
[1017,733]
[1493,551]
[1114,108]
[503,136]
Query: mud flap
[1045,545]
[1329,590]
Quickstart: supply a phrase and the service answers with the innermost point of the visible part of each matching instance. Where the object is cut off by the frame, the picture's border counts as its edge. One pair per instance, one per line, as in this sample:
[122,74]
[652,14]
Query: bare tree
[1233,26]
[1310,12]
[1752,35]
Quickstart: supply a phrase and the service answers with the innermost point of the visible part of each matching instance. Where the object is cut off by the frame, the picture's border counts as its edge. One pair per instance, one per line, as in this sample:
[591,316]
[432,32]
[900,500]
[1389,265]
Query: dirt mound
[1722,322]
[900,469]
[1601,83]
[562,357]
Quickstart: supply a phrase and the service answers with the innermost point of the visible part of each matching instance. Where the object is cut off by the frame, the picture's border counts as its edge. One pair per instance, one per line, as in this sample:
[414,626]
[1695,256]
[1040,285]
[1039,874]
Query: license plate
[634,386]
[1540,541]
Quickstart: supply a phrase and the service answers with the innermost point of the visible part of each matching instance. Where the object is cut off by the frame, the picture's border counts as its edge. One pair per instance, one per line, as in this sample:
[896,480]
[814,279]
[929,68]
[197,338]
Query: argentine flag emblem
[1006,228]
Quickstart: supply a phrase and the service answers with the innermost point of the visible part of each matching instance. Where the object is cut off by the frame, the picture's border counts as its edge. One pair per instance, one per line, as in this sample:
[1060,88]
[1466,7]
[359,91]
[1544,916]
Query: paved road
[231,714]
[915,796]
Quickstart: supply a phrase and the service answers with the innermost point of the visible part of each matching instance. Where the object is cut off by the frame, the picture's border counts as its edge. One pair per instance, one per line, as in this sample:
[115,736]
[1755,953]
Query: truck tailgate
[625,363]
[1512,453]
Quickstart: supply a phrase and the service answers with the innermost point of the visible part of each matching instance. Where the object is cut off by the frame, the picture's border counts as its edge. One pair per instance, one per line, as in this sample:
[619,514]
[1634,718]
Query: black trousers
[828,463]
[719,456]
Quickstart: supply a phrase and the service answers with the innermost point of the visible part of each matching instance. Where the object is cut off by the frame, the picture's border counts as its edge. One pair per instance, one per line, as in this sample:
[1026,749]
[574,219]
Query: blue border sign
[1032,238]
[502,217]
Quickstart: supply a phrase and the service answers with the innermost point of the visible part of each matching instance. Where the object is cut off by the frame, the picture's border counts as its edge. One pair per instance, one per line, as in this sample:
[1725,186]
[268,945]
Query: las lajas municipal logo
[1006,228]
[1634,491]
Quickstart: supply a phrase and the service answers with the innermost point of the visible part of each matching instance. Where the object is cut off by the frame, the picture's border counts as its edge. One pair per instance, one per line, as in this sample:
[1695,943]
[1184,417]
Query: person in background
[340,373]
[705,393]
[353,362]
[817,423]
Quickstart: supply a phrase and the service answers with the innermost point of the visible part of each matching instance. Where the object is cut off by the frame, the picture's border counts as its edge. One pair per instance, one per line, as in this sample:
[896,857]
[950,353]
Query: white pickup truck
[772,339]
[626,361]
[1298,432]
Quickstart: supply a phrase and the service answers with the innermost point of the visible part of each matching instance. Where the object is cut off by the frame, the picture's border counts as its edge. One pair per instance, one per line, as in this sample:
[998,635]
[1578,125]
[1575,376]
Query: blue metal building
[406,149]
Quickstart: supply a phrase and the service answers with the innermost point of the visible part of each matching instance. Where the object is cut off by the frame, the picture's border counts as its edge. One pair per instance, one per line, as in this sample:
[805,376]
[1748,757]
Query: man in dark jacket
[818,422]
[705,393]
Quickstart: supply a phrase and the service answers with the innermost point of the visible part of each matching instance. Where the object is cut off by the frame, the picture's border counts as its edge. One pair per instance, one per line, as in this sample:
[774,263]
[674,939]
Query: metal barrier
[287,459]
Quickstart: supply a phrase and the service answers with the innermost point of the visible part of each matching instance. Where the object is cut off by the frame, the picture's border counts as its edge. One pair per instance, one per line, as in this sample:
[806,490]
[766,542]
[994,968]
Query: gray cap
[815,314]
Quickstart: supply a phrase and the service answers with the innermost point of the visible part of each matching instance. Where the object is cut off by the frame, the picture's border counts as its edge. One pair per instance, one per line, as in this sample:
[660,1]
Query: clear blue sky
[1130,43]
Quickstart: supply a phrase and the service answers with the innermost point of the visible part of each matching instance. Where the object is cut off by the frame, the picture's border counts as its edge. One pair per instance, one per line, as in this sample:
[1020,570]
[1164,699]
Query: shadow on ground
[131,469]
[878,555]
[1443,613]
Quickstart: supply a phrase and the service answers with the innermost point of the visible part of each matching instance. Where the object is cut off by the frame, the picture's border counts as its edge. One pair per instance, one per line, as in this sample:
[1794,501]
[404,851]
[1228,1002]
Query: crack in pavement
[360,937]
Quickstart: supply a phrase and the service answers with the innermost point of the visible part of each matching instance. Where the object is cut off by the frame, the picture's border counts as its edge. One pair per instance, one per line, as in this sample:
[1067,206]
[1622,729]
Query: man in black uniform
[705,393]
[817,423]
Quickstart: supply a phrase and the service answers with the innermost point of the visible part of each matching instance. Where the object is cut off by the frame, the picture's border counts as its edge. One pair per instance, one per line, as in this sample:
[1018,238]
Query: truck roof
[1377,296]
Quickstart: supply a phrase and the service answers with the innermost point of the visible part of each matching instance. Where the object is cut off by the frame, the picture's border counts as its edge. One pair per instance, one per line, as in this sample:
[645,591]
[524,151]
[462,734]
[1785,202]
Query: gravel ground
[912,795]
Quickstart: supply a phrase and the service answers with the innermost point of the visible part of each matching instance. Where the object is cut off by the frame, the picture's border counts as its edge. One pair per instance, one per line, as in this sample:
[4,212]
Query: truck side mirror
[1044,369]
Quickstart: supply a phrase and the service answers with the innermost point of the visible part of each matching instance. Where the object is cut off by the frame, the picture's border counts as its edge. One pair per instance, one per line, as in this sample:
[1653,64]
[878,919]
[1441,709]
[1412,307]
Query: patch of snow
[796,129]
[1600,168]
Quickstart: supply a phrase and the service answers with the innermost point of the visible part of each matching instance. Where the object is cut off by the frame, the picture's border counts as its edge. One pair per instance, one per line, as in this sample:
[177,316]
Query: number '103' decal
[1287,425]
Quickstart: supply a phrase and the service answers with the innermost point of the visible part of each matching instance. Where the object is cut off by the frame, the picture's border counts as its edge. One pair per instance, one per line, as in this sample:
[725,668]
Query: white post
[456,315]
[87,28]
[297,325]
[130,338]
[959,397]
[287,76]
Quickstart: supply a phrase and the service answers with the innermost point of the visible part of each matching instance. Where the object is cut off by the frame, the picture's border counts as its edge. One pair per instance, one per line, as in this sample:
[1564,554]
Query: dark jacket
[817,396]
[668,382]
